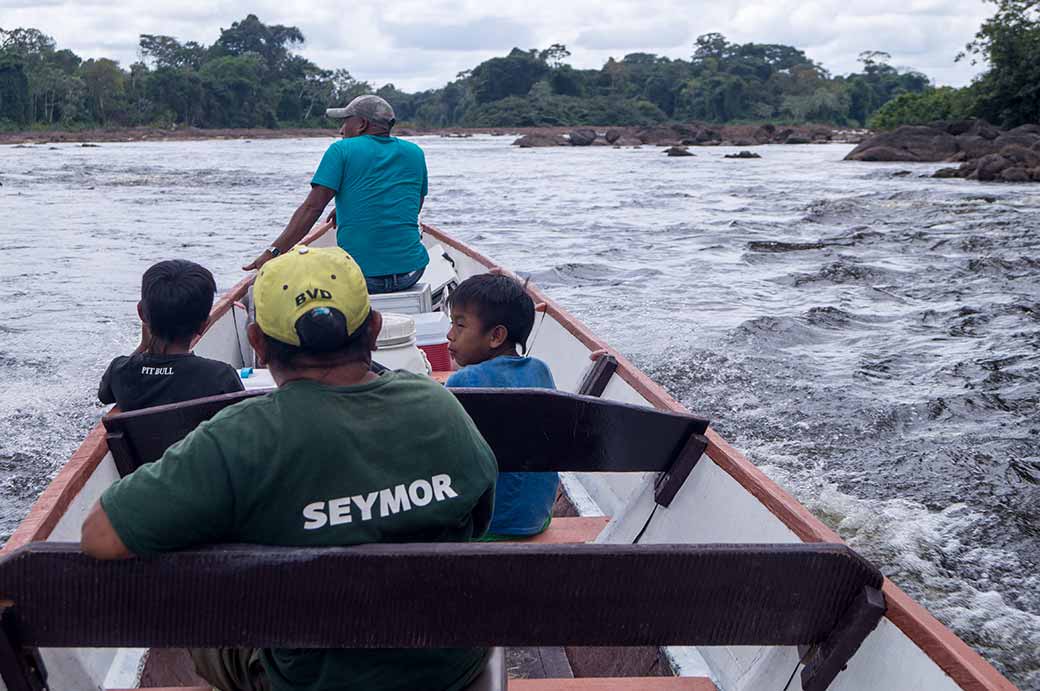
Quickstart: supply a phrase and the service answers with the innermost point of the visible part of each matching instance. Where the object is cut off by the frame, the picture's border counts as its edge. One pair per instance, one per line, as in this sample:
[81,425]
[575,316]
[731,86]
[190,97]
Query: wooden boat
[663,534]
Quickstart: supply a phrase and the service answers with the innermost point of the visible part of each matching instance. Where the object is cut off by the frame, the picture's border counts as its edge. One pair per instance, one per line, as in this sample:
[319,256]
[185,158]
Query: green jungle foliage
[250,77]
[945,103]
[1007,94]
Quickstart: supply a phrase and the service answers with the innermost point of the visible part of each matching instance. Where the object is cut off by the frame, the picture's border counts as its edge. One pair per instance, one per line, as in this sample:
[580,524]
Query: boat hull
[725,499]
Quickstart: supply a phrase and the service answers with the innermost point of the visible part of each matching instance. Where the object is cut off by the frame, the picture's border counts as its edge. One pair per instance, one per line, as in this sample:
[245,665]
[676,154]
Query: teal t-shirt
[379,183]
[394,460]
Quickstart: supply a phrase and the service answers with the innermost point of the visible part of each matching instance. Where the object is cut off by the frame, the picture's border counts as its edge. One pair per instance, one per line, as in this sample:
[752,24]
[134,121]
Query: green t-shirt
[379,183]
[394,460]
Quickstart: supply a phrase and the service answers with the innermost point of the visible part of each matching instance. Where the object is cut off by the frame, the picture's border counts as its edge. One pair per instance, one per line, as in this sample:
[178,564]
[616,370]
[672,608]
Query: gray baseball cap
[370,107]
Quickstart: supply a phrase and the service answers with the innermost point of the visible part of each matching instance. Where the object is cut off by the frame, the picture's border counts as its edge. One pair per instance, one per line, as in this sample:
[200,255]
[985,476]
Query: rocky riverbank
[152,134]
[692,134]
[985,153]
[689,134]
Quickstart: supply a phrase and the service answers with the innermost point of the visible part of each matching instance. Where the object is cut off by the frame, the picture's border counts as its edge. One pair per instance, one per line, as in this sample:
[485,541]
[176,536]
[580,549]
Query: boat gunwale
[955,657]
[951,654]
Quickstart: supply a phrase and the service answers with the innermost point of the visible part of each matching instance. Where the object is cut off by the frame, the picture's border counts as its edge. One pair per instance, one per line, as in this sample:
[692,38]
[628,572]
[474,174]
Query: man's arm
[99,539]
[301,222]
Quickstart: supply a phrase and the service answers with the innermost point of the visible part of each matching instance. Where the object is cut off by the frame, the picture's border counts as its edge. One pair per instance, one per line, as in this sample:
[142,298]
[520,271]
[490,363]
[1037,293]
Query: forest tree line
[251,77]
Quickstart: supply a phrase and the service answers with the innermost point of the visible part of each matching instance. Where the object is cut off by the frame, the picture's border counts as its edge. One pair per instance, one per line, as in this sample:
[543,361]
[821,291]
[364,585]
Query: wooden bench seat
[530,430]
[820,595]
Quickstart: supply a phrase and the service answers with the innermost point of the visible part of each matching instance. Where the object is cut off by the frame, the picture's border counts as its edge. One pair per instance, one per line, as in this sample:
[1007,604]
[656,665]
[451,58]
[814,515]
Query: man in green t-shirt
[380,183]
[335,456]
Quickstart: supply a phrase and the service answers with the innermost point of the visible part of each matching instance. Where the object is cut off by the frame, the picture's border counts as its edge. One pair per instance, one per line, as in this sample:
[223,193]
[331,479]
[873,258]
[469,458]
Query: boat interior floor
[530,669]
[172,667]
[583,684]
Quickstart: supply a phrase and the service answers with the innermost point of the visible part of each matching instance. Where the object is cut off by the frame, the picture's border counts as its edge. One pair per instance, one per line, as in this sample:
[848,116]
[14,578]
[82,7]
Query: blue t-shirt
[379,183]
[523,501]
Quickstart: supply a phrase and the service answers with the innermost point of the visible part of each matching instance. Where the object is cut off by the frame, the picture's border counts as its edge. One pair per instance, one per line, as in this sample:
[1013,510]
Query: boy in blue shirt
[491,318]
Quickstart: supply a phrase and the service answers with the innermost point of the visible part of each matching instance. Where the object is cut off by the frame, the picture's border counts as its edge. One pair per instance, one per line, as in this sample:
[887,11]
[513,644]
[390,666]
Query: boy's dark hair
[176,297]
[323,337]
[496,299]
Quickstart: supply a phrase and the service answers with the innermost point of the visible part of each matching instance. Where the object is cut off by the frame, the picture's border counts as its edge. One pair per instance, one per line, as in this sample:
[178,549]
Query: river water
[870,339]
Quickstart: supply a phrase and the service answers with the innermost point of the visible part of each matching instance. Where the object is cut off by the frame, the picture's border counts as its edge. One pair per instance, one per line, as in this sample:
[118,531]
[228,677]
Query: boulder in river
[530,141]
[990,167]
[947,173]
[1027,129]
[613,134]
[706,135]
[907,143]
[660,135]
[764,134]
[1019,135]
[627,141]
[583,136]
[795,138]
[1028,158]
[1015,174]
[678,151]
[743,154]
[973,146]
[972,127]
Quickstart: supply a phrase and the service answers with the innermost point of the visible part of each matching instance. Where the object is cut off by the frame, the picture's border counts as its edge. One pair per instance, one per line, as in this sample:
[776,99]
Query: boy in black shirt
[176,298]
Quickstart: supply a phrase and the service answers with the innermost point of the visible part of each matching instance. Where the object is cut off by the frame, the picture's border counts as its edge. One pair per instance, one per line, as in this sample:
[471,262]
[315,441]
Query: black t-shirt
[143,380]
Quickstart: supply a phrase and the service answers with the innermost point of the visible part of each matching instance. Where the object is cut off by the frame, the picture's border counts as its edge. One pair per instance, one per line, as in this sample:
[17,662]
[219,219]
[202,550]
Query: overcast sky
[419,44]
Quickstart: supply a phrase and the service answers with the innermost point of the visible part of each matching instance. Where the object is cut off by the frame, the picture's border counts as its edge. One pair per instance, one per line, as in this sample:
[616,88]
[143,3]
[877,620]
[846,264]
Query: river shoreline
[738,133]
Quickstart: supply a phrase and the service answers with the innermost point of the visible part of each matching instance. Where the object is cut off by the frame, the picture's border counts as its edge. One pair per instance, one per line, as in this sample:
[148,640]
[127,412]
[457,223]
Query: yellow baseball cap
[305,279]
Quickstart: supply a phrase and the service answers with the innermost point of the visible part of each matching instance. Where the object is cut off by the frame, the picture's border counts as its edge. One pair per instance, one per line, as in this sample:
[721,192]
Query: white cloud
[420,44]
[635,37]
[483,33]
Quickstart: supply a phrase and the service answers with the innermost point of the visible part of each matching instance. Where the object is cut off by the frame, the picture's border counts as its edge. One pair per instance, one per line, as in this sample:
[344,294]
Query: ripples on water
[872,342]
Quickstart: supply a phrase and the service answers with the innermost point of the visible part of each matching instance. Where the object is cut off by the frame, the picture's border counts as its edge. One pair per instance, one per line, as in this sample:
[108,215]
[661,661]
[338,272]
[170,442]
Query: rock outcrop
[583,136]
[531,141]
[743,154]
[986,153]
[678,151]
[687,134]
[661,136]
[908,143]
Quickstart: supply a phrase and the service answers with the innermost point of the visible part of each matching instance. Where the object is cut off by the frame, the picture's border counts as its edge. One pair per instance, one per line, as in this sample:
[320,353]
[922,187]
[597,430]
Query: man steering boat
[379,183]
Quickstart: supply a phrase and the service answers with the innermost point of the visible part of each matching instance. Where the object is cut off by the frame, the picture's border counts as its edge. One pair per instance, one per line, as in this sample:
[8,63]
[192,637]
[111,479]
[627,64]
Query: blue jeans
[394,283]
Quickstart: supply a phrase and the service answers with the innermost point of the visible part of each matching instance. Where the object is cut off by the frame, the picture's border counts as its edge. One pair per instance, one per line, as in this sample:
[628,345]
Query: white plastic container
[395,346]
[412,301]
[431,327]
